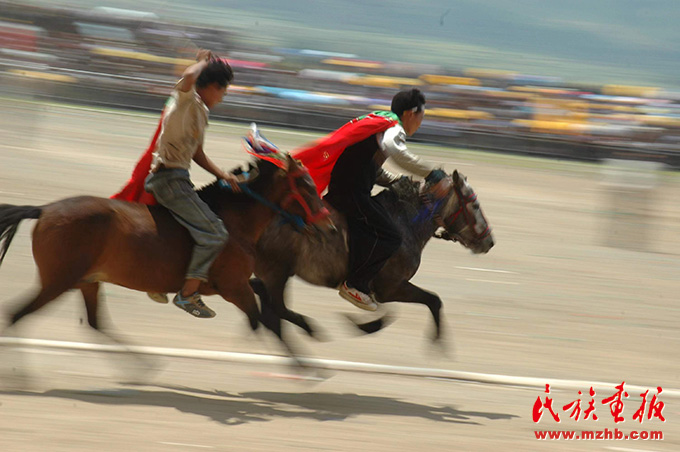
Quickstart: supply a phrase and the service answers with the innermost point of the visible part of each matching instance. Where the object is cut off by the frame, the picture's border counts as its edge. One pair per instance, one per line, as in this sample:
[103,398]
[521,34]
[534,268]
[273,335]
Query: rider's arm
[204,162]
[386,178]
[393,144]
[190,74]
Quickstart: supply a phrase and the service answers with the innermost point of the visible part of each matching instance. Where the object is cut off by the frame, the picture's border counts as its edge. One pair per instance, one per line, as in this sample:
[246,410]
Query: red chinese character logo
[548,405]
[616,404]
[655,408]
[591,406]
[576,412]
[576,404]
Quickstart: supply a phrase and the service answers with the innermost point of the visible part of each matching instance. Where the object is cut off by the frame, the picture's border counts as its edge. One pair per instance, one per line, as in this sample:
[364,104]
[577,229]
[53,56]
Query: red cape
[134,191]
[320,157]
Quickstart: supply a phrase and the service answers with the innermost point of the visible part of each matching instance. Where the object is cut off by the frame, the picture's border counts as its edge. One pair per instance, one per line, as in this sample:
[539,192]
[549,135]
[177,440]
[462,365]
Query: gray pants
[173,189]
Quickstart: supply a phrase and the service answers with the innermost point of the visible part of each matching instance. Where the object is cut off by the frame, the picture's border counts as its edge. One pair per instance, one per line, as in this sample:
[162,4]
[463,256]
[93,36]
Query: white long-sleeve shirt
[392,144]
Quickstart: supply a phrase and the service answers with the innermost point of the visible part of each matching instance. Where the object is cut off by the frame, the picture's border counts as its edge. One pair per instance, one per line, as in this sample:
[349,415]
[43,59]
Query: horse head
[298,198]
[283,184]
[294,191]
[461,218]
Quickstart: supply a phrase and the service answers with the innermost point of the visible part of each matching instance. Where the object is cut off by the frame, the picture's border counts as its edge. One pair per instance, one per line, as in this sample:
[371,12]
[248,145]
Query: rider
[202,87]
[354,155]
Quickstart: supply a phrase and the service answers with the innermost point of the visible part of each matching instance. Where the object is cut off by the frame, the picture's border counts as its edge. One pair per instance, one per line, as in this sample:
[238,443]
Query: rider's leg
[174,190]
[373,240]
[190,287]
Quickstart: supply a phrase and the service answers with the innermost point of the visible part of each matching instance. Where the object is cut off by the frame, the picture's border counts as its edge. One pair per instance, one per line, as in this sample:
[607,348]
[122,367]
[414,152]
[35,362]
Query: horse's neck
[423,229]
[247,222]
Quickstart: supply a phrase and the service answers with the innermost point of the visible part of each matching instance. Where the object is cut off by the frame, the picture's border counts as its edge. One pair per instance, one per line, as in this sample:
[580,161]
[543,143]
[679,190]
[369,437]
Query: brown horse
[84,241]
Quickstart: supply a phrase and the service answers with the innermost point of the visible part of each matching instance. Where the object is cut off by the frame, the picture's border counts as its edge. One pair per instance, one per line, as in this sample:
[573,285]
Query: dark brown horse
[281,253]
[84,241]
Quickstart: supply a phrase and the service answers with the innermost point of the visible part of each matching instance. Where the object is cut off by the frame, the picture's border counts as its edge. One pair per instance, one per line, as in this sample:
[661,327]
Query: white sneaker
[357,298]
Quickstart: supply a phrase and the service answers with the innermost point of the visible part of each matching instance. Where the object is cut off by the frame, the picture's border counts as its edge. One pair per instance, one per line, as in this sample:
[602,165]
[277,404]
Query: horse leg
[301,321]
[91,297]
[62,263]
[407,292]
[244,299]
[90,293]
[19,377]
[274,300]
[47,293]
[268,316]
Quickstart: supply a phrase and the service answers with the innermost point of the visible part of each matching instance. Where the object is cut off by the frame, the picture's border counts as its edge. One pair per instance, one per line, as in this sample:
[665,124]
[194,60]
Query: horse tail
[10,217]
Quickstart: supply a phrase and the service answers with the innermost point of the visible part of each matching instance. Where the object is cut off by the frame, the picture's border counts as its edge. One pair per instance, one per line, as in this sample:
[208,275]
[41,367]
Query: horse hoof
[372,326]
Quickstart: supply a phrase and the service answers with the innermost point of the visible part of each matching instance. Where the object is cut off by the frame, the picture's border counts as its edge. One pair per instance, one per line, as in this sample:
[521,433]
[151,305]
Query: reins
[296,220]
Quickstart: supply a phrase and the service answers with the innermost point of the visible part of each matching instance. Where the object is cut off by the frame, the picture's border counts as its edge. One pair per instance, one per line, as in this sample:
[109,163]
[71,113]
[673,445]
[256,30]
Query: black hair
[217,71]
[406,100]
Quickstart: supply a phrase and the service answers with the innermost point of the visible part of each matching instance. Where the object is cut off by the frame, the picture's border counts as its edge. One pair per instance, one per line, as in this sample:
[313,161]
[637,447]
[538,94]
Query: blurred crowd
[113,46]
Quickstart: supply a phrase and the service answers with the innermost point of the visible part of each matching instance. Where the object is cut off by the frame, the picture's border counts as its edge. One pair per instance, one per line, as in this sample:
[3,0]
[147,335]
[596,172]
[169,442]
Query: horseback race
[365,227]
[85,241]
[146,243]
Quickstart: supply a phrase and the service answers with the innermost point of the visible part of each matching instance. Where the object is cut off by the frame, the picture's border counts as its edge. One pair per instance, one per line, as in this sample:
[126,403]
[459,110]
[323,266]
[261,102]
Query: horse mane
[215,195]
[402,197]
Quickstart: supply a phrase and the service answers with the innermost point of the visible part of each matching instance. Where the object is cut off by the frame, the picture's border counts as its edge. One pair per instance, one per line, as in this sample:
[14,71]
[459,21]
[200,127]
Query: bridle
[294,195]
[447,222]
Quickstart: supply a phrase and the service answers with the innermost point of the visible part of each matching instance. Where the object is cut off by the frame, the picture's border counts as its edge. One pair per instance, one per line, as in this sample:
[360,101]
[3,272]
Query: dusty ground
[551,300]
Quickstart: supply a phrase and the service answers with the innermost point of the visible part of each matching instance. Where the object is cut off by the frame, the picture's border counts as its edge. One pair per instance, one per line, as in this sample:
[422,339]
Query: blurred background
[564,116]
[584,80]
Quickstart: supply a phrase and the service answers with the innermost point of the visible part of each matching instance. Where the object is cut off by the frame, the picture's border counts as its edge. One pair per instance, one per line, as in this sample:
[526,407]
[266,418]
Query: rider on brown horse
[349,162]
[178,142]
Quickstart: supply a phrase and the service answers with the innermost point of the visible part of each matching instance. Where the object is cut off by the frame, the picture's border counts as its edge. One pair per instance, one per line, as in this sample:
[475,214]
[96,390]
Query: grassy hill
[603,41]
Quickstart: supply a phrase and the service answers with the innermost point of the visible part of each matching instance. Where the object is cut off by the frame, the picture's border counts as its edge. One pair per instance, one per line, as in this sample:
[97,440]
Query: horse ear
[456,176]
[292,163]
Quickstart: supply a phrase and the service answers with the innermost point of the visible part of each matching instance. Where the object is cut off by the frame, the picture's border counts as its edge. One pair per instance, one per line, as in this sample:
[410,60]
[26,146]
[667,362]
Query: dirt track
[557,303]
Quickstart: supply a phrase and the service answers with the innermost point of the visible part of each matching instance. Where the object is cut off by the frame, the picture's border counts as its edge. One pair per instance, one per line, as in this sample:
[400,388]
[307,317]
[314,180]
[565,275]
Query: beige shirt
[182,132]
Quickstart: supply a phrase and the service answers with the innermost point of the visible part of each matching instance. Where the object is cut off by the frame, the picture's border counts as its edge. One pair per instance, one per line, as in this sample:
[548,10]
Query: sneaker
[357,298]
[194,306]
[158,297]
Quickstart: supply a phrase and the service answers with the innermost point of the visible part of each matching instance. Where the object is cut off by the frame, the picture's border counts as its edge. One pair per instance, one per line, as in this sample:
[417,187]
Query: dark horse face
[301,198]
[463,220]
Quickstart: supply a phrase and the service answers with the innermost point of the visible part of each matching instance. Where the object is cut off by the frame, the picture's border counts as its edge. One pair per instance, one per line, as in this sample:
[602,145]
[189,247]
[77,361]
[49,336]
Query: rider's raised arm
[393,144]
[190,74]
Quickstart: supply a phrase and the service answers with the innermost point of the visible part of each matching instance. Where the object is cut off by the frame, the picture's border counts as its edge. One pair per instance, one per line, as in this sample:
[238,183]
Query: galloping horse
[281,253]
[84,241]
